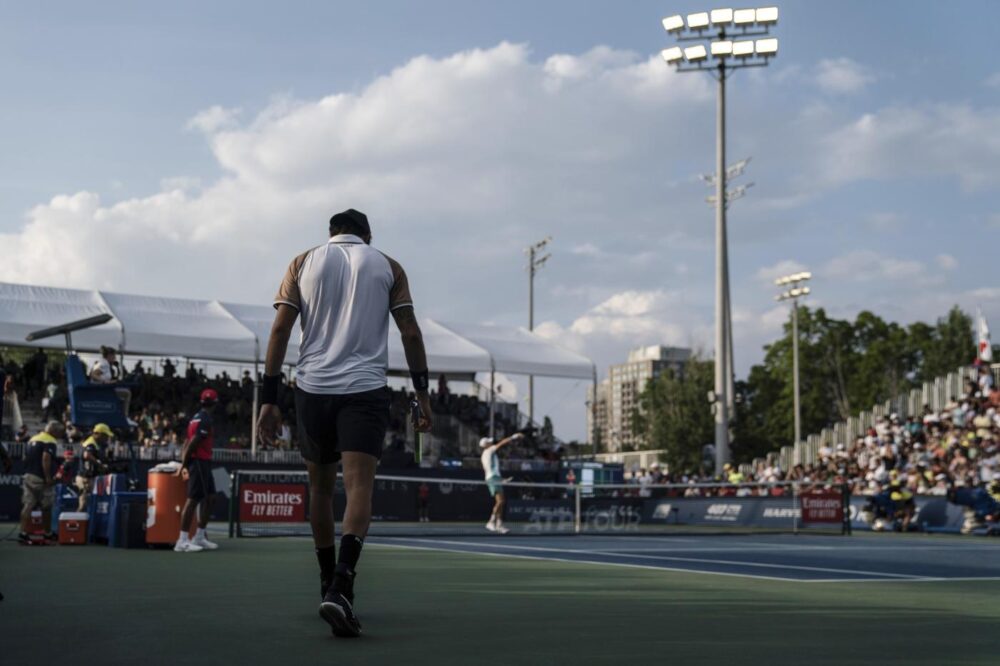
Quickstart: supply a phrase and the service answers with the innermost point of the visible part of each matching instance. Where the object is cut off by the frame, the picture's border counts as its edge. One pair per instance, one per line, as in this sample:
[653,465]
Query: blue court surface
[796,558]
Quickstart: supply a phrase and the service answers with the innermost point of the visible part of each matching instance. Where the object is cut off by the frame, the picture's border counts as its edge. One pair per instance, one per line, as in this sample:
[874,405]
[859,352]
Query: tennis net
[276,503]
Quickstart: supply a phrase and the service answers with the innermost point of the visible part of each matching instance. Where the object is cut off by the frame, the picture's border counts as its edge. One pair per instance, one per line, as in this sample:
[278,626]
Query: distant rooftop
[659,353]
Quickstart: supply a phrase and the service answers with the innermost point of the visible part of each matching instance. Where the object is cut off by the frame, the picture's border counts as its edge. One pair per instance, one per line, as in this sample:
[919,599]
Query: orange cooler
[72,528]
[167,494]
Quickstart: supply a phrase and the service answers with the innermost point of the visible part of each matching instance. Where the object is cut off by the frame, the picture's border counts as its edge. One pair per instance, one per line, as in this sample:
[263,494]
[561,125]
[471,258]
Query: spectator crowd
[925,454]
[162,402]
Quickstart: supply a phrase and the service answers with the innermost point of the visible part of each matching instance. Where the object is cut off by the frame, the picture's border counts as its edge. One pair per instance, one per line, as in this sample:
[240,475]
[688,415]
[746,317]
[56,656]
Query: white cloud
[214,119]
[945,140]
[868,265]
[784,267]
[463,160]
[842,76]
[885,221]
[586,250]
[479,144]
[624,320]
[183,183]
[946,262]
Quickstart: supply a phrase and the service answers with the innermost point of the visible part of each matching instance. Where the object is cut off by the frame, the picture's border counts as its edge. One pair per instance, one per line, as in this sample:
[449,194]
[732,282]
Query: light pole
[728,42]
[793,294]
[732,172]
[535,262]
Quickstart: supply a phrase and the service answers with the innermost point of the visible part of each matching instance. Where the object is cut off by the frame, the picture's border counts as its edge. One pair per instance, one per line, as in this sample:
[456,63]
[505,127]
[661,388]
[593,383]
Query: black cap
[351,221]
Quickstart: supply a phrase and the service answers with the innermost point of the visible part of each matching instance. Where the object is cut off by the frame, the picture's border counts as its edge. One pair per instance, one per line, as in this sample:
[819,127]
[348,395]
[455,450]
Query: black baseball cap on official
[350,222]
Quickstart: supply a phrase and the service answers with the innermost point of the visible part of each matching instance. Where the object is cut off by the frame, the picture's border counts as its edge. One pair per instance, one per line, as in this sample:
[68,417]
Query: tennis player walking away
[344,291]
[196,461]
[494,482]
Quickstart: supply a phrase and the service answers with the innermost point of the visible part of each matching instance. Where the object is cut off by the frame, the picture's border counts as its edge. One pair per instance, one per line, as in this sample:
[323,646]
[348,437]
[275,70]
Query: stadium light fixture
[767,15]
[722,48]
[766,47]
[797,291]
[743,49]
[705,43]
[673,23]
[695,53]
[722,16]
[698,21]
[672,55]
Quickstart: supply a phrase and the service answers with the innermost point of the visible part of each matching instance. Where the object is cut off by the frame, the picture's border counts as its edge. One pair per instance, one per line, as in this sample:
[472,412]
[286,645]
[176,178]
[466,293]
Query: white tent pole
[256,401]
[493,384]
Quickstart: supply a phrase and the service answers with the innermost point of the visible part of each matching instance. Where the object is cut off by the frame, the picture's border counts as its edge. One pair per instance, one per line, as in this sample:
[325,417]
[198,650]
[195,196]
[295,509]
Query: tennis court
[801,558]
[734,599]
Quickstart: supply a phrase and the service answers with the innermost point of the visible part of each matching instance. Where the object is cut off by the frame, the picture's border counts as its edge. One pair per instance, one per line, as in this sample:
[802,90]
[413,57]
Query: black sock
[350,551]
[327,563]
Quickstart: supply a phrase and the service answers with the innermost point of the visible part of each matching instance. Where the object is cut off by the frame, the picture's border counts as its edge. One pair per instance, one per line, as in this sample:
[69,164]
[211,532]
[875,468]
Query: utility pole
[535,262]
[793,294]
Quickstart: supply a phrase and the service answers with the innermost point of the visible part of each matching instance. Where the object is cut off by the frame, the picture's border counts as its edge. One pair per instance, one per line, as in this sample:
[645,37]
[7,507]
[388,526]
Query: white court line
[592,563]
[694,560]
[791,548]
[650,567]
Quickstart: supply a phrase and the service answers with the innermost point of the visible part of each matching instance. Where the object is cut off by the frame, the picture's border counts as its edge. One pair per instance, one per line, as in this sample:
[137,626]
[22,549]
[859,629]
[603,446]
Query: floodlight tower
[730,40]
[535,262]
[793,294]
[732,195]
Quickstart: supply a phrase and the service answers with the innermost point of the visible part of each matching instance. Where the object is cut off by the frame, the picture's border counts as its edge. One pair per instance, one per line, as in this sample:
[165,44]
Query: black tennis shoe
[325,586]
[339,614]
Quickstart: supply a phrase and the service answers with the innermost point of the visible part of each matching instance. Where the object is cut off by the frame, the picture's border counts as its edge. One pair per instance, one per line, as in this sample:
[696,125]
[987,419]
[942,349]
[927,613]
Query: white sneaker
[187,547]
[500,529]
[491,526]
[204,543]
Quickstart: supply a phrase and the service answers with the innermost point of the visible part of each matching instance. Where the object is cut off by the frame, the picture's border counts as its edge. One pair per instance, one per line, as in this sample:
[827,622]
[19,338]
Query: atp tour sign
[274,502]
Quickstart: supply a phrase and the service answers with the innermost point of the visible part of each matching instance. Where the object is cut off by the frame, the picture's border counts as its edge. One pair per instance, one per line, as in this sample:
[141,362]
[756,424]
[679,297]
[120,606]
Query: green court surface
[255,601]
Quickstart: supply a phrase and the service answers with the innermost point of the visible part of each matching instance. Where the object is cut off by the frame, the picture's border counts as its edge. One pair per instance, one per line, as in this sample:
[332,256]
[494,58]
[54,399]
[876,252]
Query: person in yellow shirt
[38,481]
[906,507]
[92,463]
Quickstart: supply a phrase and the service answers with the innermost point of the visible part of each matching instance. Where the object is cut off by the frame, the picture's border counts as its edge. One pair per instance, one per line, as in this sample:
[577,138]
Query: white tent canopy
[26,308]
[182,327]
[521,352]
[238,333]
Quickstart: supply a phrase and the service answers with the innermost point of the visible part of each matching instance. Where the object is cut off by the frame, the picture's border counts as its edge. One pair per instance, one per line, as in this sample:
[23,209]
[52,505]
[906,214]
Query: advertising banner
[274,502]
[822,507]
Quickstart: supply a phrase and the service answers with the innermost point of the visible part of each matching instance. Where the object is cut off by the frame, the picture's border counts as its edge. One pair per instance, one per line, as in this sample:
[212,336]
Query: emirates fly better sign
[822,507]
[274,502]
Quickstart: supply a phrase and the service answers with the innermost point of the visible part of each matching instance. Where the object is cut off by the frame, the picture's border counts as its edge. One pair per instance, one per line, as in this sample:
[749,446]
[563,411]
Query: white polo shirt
[344,291]
[491,462]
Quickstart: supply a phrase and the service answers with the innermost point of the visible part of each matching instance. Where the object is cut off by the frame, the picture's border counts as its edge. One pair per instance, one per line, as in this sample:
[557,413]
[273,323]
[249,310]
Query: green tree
[845,367]
[675,414]
[942,348]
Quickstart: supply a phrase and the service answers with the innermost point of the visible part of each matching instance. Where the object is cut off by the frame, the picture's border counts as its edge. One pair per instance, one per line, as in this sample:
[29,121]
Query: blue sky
[469,129]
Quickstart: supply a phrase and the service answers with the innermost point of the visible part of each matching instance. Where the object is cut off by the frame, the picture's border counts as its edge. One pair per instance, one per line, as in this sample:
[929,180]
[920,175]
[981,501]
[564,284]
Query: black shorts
[332,424]
[201,485]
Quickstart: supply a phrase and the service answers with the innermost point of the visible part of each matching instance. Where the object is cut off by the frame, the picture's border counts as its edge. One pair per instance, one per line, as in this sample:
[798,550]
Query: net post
[233,501]
[576,508]
[845,493]
[796,507]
